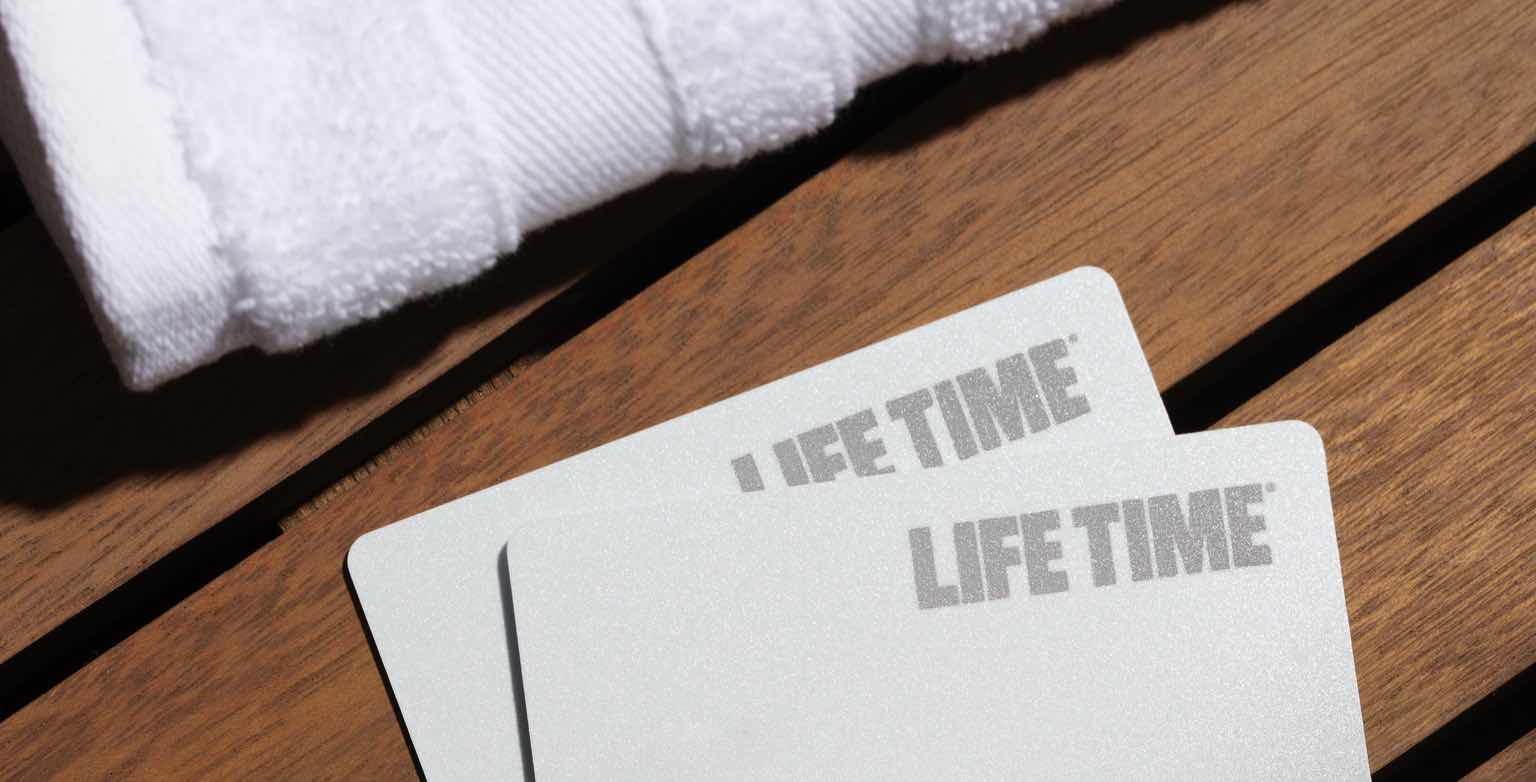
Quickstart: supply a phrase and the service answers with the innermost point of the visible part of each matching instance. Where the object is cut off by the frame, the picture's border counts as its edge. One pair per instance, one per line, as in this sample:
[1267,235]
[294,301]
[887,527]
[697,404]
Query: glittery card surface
[1167,609]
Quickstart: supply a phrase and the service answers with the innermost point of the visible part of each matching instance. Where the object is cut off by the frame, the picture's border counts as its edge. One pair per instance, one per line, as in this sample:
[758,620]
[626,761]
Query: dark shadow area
[74,427]
[1058,53]
[524,738]
[1368,286]
[1473,738]
[22,146]
[14,203]
[77,428]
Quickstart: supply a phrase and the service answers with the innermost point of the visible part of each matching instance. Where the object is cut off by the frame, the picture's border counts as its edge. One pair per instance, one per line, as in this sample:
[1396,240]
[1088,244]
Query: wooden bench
[1262,178]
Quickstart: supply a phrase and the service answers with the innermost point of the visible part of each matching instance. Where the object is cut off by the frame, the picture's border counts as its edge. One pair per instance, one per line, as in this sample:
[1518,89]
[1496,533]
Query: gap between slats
[1332,310]
[1473,737]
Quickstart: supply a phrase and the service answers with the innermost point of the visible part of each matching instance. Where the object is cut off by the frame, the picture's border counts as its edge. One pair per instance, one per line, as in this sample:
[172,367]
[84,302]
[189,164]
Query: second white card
[1167,609]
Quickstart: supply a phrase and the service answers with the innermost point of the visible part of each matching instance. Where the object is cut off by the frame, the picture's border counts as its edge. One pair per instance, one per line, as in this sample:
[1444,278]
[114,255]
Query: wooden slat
[97,482]
[1426,411]
[1517,763]
[1220,170]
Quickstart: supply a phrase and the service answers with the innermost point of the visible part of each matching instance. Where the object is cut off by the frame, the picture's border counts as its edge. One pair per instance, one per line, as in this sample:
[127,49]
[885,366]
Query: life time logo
[979,410]
[1163,536]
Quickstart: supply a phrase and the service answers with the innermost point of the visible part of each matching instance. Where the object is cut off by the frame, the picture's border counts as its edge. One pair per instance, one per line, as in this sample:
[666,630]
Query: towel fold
[224,173]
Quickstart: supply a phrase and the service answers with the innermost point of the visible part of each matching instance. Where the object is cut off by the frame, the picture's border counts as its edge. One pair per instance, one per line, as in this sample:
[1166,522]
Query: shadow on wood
[1057,54]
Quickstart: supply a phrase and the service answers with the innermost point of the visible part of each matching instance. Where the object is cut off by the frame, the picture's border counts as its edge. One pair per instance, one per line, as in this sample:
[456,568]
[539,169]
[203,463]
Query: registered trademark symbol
[1072,338]
[1269,487]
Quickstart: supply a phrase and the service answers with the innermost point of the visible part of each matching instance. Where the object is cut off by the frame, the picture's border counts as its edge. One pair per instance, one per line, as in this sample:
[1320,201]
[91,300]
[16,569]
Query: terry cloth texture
[224,173]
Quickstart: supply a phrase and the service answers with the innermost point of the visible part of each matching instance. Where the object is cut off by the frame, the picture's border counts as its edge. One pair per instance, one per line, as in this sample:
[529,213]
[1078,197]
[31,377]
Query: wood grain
[97,482]
[1517,763]
[1426,412]
[1220,169]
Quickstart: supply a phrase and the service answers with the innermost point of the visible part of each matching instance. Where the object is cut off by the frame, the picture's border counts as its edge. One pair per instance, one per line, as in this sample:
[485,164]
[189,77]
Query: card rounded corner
[1095,275]
[1305,434]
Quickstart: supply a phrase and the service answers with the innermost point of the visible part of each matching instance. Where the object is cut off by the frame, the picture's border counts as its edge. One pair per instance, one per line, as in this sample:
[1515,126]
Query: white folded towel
[222,173]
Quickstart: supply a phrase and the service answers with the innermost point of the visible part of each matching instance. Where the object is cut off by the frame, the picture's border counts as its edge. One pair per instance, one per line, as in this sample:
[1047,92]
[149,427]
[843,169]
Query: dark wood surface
[1426,413]
[1238,167]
